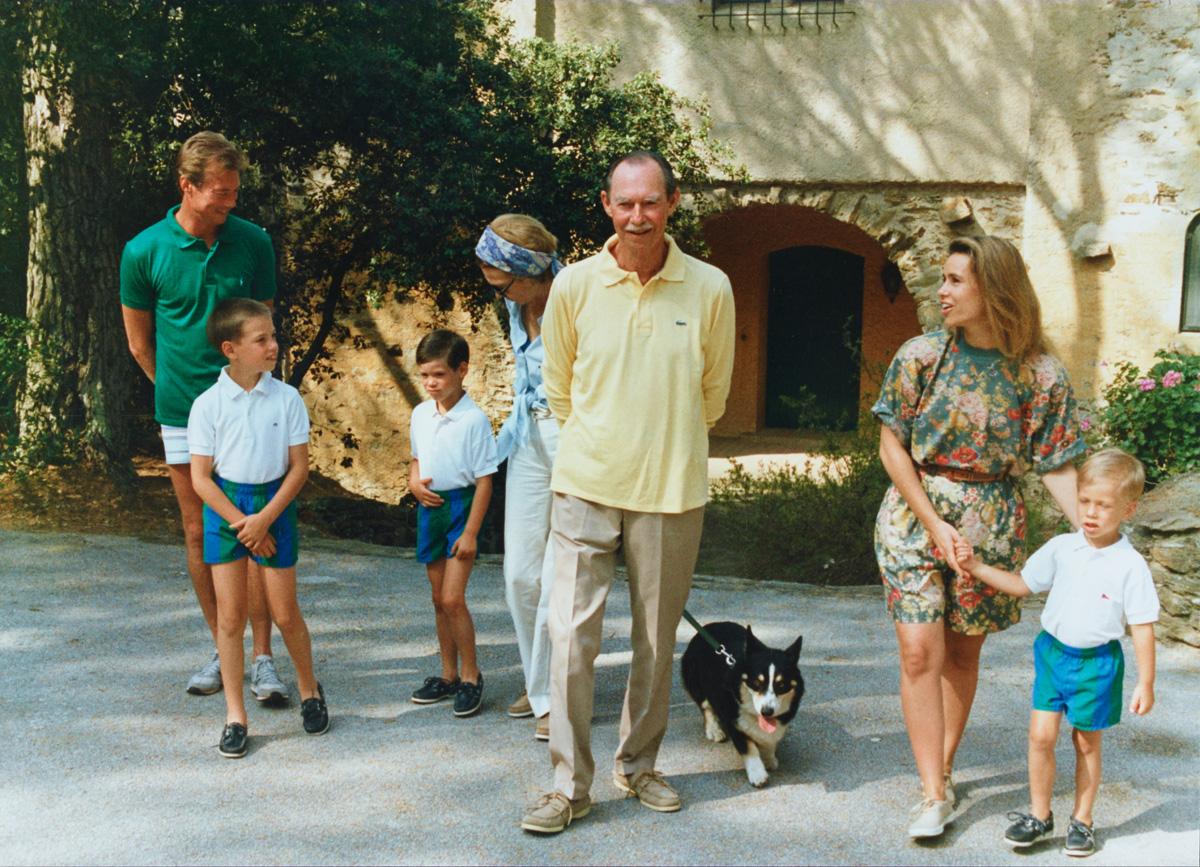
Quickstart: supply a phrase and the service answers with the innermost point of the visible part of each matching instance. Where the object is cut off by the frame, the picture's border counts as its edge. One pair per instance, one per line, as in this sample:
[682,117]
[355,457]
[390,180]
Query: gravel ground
[110,761]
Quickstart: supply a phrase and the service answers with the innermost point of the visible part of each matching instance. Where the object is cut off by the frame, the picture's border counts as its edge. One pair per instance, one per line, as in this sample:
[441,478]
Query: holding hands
[965,555]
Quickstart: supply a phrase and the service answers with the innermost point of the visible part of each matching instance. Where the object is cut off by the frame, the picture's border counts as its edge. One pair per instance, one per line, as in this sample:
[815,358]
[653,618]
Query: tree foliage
[383,136]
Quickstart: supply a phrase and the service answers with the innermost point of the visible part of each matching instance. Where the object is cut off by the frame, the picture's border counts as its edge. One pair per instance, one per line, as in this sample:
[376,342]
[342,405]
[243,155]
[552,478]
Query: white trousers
[528,556]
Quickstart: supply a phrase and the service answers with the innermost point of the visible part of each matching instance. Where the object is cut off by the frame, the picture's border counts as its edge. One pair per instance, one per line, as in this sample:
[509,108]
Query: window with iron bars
[769,14]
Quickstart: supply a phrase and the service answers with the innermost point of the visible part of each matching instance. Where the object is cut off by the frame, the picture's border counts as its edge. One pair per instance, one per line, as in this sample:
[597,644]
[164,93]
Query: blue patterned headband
[513,258]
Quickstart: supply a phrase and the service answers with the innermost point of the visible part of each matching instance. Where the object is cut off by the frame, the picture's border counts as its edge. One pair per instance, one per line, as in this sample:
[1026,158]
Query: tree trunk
[77,386]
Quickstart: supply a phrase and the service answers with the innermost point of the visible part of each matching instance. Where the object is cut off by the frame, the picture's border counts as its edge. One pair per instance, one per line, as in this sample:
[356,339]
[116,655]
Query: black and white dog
[750,702]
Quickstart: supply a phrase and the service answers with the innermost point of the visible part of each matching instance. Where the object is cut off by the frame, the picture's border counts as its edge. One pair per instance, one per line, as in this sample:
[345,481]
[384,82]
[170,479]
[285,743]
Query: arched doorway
[800,279]
[814,338]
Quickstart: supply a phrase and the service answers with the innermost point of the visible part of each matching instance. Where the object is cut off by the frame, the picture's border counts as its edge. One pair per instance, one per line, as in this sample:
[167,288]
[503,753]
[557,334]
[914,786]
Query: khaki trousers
[660,554]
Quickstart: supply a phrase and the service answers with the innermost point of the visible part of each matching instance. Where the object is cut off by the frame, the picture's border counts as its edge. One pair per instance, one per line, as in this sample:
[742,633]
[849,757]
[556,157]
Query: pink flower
[1172,378]
[1085,424]
[1146,384]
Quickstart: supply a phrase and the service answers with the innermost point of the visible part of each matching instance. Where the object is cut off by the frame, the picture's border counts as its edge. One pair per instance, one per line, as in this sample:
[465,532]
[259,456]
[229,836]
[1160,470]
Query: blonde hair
[527,232]
[1012,307]
[1118,466]
[204,148]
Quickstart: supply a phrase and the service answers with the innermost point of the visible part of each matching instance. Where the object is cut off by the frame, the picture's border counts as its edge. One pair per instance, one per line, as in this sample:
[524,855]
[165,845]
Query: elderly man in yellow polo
[639,345]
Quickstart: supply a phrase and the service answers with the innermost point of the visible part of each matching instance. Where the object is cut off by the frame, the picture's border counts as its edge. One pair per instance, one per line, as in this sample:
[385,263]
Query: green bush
[785,524]
[14,352]
[1156,415]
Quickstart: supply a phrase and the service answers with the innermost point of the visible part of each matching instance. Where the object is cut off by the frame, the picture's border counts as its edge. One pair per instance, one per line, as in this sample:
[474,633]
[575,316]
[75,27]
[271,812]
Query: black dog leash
[718,649]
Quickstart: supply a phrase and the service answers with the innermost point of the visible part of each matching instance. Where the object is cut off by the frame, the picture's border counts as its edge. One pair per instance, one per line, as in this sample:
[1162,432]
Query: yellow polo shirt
[636,375]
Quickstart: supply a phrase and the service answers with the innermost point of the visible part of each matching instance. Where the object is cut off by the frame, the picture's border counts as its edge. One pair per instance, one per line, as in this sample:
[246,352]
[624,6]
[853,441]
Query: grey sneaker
[207,680]
[265,682]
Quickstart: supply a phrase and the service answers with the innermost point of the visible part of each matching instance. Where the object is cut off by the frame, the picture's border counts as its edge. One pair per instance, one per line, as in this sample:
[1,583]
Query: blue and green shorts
[438,528]
[1087,684]
[221,544]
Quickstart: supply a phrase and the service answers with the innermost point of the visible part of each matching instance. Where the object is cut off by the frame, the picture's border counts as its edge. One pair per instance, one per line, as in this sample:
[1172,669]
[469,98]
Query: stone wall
[1166,529]
[360,417]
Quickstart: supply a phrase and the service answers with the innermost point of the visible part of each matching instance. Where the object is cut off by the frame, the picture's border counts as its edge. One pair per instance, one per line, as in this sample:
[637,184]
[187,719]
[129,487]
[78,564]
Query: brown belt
[955,474]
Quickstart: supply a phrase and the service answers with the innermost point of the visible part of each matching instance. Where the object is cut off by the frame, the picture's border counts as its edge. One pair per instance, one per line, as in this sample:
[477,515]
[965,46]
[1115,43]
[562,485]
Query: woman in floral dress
[965,411]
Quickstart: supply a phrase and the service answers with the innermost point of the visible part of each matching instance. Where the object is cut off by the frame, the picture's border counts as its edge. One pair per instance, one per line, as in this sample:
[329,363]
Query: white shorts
[175,445]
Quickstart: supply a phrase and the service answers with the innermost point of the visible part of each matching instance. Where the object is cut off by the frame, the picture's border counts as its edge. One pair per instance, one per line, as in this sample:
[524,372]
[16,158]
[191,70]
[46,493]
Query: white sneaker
[950,795]
[929,818]
[207,680]
[265,682]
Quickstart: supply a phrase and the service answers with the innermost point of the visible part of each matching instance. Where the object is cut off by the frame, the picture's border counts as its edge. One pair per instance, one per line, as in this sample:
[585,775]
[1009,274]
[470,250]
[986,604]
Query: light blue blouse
[528,391]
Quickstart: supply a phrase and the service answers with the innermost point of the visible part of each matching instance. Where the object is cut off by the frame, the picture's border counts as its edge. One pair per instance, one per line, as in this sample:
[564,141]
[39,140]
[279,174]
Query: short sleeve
[297,419]
[264,269]
[1141,599]
[136,289]
[412,433]
[1054,435]
[201,429]
[900,394]
[483,457]
[1038,571]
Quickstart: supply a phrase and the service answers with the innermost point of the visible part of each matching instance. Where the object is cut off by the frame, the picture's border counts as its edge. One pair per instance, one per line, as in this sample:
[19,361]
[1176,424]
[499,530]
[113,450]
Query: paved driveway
[107,760]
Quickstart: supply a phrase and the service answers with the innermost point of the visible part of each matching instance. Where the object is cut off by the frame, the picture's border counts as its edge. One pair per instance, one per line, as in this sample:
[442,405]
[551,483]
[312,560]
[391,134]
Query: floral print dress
[957,406]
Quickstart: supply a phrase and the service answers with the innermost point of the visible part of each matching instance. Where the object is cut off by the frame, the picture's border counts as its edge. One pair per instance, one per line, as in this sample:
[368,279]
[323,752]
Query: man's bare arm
[139,330]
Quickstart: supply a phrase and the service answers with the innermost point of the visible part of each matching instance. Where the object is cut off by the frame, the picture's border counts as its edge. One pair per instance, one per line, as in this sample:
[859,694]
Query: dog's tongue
[767,725]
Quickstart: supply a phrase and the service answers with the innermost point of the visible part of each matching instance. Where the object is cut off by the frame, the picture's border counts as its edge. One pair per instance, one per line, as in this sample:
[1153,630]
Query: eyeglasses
[503,291]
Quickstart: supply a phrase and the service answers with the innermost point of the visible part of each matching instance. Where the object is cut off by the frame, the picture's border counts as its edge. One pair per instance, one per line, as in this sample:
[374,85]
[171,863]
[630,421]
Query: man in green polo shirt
[172,276]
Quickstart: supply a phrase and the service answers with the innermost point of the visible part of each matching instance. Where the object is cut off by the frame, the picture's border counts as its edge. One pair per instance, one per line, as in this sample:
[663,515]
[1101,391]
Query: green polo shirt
[181,279]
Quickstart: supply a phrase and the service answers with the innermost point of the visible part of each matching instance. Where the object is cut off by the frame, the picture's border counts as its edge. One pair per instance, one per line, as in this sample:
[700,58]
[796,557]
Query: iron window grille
[780,13]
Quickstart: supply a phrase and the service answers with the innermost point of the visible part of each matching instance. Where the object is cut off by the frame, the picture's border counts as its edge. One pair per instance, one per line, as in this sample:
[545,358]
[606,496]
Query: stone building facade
[1071,128]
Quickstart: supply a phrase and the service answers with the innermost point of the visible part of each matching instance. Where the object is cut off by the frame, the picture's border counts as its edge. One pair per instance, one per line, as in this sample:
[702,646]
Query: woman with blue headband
[517,256]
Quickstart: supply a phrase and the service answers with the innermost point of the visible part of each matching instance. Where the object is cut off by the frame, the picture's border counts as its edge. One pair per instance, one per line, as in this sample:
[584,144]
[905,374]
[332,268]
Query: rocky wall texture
[360,414]
[1166,529]
[912,222]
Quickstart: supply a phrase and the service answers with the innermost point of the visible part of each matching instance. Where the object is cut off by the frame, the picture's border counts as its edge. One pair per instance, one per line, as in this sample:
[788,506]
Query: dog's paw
[770,762]
[755,772]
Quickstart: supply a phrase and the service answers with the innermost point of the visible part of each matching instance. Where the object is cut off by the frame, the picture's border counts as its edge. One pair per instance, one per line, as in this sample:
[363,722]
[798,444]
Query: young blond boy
[1098,583]
[453,461]
[248,438]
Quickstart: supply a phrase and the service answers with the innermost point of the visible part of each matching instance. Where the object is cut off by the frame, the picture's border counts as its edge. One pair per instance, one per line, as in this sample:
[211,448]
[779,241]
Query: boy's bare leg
[446,646]
[191,511]
[258,610]
[229,581]
[922,658]
[462,627]
[280,587]
[1043,734]
[960,677]
[1087,772]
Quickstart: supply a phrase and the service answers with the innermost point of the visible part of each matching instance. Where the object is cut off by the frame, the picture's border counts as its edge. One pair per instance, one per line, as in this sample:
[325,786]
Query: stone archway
[902,227]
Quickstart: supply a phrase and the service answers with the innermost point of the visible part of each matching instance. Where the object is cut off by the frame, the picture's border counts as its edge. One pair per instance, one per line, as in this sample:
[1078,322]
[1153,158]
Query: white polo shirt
[1094,592]
[248,433]
[453,449]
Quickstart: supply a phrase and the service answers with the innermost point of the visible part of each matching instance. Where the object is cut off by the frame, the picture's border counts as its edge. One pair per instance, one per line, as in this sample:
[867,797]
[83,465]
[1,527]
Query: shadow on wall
[904,104]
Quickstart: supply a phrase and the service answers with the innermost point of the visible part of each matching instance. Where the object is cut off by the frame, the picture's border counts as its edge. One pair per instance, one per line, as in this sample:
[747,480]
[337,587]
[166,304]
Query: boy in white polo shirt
[453,461]
[248,437]
[1098,583]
